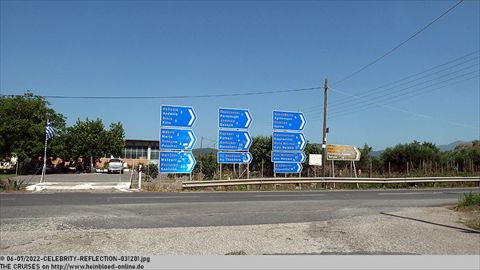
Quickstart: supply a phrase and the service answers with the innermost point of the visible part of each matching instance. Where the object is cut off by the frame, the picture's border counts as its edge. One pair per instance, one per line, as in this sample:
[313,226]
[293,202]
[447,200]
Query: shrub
[469,200]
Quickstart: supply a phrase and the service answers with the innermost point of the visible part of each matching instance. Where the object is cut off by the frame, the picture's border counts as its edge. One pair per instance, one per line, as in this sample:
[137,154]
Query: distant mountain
[448,147]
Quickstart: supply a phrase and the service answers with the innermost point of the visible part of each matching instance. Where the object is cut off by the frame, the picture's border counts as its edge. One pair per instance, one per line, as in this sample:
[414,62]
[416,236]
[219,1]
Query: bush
[469,200]
[11,185]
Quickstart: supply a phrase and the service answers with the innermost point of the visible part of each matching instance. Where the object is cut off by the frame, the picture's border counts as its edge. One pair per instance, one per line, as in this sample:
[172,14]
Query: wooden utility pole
[324,141]
[201,156]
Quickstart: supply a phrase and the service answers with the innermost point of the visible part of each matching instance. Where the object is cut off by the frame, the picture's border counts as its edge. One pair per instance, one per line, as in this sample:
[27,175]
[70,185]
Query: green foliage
[152,170]
[261,149]
[89,138]
[415,152]
[207,165]
[469,200]
[463,152]
[22,125]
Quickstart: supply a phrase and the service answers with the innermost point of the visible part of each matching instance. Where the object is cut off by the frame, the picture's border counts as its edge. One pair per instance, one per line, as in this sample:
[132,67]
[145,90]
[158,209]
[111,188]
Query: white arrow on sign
[299,167]
[192,139]
[247,145]
[303,141]
[192,115]
[191,164]
[303,121]
[304,157]
[249,157]
[249,119]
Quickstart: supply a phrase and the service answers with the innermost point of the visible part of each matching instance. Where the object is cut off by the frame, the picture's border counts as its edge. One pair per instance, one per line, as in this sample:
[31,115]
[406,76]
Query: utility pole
[201,156]
[324,142]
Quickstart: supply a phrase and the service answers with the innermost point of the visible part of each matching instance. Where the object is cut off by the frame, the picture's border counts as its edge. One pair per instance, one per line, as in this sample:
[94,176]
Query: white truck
[115,165]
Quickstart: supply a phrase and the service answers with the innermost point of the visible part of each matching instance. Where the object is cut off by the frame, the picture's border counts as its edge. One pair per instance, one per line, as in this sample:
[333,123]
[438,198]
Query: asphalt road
[253,223]
[191,209]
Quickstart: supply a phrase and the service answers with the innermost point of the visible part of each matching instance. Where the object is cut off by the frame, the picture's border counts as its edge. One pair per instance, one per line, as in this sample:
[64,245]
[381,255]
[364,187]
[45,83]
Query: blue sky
[163,48]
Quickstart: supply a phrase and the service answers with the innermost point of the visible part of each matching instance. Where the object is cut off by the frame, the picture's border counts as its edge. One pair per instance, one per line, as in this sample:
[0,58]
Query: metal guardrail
[311,180]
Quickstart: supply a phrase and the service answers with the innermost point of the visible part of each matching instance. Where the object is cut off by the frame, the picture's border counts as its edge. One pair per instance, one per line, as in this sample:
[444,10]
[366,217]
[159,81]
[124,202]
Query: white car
[115,165]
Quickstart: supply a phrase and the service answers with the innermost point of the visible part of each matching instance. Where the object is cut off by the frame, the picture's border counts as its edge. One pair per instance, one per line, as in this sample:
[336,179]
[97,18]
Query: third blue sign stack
[288,142]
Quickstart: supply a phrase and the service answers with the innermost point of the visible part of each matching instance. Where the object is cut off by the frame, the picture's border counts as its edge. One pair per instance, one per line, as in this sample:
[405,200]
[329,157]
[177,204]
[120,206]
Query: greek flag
[49,131]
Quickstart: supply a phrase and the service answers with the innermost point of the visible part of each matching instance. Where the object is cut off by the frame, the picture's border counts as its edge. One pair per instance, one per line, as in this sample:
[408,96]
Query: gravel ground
[432,230]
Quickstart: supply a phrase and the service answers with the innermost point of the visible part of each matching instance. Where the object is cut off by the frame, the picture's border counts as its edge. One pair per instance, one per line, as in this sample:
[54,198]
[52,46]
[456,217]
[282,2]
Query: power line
[402,110]
[178,97]
[397,92]
[399,45]
[425,89]
[383,89]
[407,94]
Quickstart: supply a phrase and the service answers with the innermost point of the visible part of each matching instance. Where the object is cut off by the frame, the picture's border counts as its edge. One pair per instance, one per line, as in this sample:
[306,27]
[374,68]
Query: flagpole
[44,157]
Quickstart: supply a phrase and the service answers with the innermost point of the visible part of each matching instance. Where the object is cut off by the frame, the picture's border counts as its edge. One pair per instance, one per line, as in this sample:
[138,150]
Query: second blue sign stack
[288,142]
[233,136]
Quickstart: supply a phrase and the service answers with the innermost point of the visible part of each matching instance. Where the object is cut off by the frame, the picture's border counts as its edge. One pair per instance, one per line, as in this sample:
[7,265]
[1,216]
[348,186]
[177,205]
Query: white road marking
[291,195]
[7,199]
[408,193]
[157,197]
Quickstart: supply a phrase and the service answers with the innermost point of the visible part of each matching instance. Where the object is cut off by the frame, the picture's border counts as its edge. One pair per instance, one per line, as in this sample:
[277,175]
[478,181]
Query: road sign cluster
[288,142]
[176,139]
[233,136]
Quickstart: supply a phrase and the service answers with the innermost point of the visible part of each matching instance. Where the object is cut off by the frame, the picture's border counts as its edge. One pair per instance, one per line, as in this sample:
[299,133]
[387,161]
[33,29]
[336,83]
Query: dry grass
[469,205]
[162,186]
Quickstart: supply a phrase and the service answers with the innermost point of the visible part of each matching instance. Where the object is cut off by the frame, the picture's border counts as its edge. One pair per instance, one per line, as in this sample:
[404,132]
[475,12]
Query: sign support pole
[44,168]
[324,141]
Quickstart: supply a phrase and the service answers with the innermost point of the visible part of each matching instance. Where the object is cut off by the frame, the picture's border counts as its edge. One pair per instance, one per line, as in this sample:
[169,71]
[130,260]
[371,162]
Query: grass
[470,200]
[6,176]
[469,205]
[10,184]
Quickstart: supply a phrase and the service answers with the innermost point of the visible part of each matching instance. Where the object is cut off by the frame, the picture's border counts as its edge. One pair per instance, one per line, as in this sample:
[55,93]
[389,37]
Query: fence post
[370,172]
[389,172]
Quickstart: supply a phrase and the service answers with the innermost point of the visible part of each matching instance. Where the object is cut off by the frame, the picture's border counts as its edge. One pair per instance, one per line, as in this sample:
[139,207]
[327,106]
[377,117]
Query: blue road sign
[287,167]
[234,140]
[176,162]
[286,141]
[288,120]
[177,116]
[177,139]
[234,118]
[234,157]
[288,156]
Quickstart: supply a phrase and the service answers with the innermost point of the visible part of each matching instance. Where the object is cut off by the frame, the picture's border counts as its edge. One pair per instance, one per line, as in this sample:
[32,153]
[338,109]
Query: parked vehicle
[72,165]
[115,165]
[8,165]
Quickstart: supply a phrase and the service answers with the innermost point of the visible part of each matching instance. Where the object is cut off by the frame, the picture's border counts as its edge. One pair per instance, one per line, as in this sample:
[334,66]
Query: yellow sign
[342,152]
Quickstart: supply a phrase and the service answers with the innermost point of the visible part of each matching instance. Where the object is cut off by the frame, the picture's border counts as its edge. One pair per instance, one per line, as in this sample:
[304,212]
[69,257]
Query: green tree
[22,125]
[89,138]
[261,151]
[208,165]
[414,152]
[365,156]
